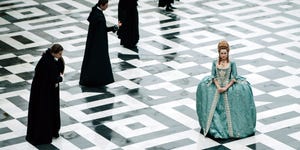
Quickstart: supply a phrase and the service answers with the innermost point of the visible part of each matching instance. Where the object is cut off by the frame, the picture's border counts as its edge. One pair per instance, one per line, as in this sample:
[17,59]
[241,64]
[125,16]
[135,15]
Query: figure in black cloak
[96,68]
[43,112]
[128,17]
[167,4]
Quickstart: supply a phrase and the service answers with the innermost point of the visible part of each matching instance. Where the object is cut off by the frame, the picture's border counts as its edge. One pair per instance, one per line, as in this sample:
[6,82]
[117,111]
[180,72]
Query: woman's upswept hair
[56,48]
[223,45]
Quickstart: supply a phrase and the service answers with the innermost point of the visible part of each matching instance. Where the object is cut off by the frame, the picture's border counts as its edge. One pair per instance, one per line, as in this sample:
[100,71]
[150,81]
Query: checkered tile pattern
[152,103]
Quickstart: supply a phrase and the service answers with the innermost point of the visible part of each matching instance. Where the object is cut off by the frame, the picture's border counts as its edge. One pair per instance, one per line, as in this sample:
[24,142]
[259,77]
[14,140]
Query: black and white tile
[152,103]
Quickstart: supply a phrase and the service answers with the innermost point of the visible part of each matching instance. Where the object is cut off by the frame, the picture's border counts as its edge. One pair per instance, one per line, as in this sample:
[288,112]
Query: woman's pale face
[223,54]
[57,55]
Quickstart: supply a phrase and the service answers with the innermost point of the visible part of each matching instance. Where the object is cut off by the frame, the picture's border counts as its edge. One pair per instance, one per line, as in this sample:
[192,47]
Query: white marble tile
[287,91]
[99,141]
[11,78]
[125,83]
[174,47]
[223,5]
[240,29]
[149,125]
[133,73]
[177,66]
[193,11]
[3,22]
[26,13]
[152,17]
[45,22]
[263,139]
[257,92]
[242,45]
[131,104]
[65,32]
[264,128]
[200,141]
[74,45]
[289,81]
[75,6]
[277,22]
[171,27]
[269,39]
[256,69]
[6,56]
[295,135]
[172,75]
[36,40]
[200,37]
[265,56]
[294,13]
[290,49]
[169,110]
[250,13]
[256,78]
[67,96]
[143,63]
[16,127]
[292,34]
[11,4]
[20,68]
[290,70]
[164,85]
[265,2]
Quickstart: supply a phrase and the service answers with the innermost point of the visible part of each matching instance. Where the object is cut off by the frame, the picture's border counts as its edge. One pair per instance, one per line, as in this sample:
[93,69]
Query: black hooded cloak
[43,111]
[96,68]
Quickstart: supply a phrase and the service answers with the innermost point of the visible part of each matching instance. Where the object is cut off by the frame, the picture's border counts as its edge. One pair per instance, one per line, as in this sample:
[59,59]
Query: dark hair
[56,48]
[102,2]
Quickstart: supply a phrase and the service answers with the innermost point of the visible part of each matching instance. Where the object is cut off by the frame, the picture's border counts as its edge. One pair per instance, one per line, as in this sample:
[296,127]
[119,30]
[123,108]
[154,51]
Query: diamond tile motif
[152,103]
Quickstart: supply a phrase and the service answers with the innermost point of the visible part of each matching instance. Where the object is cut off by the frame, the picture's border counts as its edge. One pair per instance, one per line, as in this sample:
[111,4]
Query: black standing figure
[128,16]
[43,112]
[167,4]
[96,67]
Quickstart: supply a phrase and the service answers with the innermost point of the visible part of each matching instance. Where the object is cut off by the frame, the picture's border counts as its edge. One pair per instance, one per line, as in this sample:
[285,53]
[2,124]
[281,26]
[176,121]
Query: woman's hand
[221,90]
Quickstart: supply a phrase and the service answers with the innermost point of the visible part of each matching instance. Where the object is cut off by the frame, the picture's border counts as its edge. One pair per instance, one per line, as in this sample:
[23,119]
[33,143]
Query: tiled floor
[152,103]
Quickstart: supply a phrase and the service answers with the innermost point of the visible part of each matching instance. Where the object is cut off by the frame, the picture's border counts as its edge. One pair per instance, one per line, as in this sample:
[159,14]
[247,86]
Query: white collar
[99,8]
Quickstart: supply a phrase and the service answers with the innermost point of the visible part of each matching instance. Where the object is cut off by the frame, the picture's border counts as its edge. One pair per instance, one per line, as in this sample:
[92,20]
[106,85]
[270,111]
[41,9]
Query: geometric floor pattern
[152,103]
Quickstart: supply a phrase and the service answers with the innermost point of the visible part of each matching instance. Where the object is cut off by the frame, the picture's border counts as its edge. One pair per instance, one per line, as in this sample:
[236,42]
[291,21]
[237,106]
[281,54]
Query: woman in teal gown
[225,105]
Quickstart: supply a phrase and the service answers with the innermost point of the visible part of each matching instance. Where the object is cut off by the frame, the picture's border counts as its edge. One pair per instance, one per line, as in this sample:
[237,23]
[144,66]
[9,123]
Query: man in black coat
[96,67]
[43,112]
[128,16]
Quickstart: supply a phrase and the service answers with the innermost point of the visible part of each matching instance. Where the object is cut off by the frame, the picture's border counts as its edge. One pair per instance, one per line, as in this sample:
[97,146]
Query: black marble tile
[219,147]
[77,140]
[5,130]
[19,102]
[258,146]
[269,86]
[11,61]
[4,72]
[12,141]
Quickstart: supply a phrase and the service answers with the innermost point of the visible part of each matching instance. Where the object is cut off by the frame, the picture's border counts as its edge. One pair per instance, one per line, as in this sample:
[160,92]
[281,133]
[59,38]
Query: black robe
[96,68]
[128,33]
[163,3]
[43,113]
